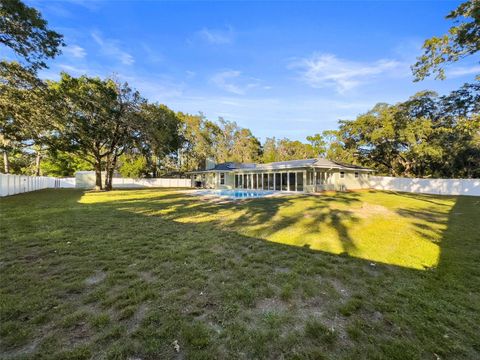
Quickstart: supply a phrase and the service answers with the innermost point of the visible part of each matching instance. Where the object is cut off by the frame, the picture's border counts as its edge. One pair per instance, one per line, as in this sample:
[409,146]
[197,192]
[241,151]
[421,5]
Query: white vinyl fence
[86,180]
[139,183]
[427,186]
[17,184]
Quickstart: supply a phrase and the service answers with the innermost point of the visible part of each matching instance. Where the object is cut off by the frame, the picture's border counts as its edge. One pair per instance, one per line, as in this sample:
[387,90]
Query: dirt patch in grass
[368,210]
[147,276]
[271,305]
[96,278]
[134,323]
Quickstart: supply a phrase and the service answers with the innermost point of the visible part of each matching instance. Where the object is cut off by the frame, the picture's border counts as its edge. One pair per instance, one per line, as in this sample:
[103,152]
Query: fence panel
[141,183]
[427,186]
[17,184]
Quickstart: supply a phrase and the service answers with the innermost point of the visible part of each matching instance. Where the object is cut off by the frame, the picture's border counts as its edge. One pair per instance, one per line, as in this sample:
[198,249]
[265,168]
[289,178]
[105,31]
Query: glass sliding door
[299,181]
[284,182]
[291,180]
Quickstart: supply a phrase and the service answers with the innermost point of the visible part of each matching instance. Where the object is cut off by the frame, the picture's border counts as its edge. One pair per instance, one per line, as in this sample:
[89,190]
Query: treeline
[59,127]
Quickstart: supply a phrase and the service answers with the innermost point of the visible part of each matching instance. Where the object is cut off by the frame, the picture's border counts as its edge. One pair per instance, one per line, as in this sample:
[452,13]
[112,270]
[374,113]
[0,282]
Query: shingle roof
[232,166]
[291,164]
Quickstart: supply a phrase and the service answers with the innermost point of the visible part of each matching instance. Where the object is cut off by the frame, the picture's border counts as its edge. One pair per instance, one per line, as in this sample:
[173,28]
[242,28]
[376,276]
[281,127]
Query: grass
[150,274]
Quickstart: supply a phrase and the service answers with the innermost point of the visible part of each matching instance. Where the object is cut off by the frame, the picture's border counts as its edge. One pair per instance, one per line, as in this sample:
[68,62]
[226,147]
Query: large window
[270,181]
[236,181]
[265,181]
[299,181]
[284,182]
[244,181]
[291,179]
[254,181]
[222,178]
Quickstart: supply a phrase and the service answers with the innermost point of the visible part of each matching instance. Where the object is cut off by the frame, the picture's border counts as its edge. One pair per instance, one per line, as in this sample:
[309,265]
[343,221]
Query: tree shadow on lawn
[267,218]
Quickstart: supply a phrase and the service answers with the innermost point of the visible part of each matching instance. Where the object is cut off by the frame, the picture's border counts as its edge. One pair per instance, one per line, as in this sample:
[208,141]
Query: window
[284,182]
[254,181]
[309,177]
[265,181]
[299,181]
[236,181]
[291,180]
[244,181]
[356,174]
[278,180]
[222,178]
[342,174]
[270,181]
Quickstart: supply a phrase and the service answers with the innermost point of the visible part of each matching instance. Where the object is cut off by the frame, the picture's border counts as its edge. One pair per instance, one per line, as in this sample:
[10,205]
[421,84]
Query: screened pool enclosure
[278,181]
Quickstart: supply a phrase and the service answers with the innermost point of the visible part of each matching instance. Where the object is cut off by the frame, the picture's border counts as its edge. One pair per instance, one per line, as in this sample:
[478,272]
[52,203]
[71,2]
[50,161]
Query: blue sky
[284,69]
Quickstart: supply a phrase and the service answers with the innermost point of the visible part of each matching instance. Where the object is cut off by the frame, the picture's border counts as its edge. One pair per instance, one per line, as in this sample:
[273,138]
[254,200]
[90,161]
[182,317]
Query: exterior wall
[210,180]
[350,182]
[229,181]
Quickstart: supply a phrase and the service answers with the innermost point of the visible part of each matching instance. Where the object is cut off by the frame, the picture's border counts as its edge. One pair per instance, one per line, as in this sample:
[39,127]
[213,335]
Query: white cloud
[217,36]
[232,82]
[154,88]
[75,51]
[190,74]
[152,55]
[74,70]
[326,70]
[461,71]
[111,48]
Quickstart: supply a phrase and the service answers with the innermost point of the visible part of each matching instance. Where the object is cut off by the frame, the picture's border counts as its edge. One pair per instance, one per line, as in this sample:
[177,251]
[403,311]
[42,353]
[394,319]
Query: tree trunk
[111,171]
[6,162]
[154,166]
[38,159]
[107,173]
[98,175]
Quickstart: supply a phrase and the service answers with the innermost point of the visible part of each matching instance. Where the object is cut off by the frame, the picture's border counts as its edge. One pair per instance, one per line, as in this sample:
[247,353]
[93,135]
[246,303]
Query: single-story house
[309,175]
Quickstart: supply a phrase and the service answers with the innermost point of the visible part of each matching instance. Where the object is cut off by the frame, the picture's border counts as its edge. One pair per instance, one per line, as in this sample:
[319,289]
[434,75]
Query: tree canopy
[25,31]
[462,39]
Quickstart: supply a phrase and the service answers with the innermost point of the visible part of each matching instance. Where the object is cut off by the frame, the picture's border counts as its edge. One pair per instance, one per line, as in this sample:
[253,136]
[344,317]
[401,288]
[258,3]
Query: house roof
[291,164]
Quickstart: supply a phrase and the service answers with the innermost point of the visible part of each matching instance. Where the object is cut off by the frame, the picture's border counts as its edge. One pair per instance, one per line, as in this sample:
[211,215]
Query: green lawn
[141,274]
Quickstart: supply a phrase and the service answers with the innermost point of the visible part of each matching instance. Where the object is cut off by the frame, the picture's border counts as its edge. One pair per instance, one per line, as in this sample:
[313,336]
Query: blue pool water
[236,194]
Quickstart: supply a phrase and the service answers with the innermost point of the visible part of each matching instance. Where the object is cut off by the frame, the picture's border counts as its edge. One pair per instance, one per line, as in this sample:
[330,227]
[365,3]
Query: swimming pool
[235,194]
